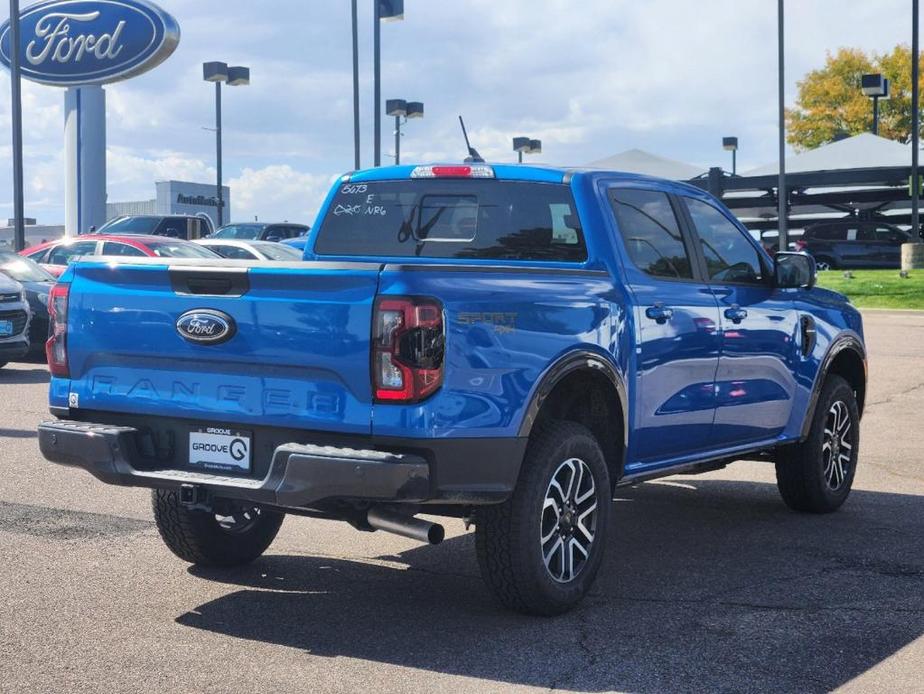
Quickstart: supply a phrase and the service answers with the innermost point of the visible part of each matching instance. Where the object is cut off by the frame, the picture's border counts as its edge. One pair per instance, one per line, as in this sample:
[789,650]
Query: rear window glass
[453,219]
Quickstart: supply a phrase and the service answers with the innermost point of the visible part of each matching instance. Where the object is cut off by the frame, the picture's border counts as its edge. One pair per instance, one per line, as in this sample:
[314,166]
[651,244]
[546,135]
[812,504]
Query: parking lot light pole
[730,144]
[19,228]
[218,72]
[399,108]
[781,184]
[356,158]
[385,11]
[876,87]
[525,145]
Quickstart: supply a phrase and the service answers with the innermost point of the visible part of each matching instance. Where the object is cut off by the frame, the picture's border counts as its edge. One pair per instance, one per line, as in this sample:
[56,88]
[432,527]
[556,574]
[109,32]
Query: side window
[113,248]
[235,252]
[172,228]
[61,255]
[651,233]
[730,255]
[38,256]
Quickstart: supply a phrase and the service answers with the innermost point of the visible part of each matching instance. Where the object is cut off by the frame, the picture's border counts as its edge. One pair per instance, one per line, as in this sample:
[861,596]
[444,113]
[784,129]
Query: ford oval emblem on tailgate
[206,326]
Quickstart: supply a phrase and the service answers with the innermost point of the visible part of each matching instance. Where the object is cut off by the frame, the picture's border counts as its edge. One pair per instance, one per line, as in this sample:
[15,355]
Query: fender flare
[568,364]
[845,341]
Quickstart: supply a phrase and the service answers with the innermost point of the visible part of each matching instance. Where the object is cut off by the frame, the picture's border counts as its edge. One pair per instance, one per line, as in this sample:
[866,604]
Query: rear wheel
[540,550]
[210,539]
[816,476]
[824,263]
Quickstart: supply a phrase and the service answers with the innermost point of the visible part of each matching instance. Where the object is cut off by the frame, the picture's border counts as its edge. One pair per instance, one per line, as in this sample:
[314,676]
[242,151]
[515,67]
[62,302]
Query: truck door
[678,340]
[754,383]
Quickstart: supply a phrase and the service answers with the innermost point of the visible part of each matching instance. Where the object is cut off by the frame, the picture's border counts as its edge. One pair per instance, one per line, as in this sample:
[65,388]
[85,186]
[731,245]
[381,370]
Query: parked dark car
[854,244]
[259,231]
[176,226]
[36,283]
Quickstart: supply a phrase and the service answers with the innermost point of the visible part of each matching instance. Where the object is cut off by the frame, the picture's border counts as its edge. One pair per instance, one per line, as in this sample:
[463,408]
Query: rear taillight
[56,347]
[408,339]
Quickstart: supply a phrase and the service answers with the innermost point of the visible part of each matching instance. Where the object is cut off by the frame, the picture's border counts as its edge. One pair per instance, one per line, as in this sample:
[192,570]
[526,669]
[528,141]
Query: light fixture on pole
[730,144]
[876,87]
[525,145]
[235,77]
[385,11]
[399,108]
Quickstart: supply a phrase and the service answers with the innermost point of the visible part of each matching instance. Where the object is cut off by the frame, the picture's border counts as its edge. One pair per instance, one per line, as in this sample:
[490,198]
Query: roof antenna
[473,156]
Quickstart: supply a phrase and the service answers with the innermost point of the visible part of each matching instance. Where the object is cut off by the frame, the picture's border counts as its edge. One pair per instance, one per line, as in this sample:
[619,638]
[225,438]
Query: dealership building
[177,197]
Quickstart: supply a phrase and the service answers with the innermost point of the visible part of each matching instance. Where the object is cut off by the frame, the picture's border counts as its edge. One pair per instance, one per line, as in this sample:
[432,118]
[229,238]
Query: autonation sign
[77,42]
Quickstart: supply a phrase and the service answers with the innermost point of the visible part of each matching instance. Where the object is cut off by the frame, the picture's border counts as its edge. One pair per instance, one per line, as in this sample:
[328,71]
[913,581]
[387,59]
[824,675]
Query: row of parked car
[847,244]
[26,279]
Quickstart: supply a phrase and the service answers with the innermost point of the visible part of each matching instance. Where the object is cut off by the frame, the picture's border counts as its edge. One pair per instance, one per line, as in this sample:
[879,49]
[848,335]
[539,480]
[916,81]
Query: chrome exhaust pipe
[406,526]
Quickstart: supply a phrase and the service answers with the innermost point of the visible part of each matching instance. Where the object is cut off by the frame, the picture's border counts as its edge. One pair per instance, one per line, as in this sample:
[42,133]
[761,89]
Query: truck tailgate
[298,355]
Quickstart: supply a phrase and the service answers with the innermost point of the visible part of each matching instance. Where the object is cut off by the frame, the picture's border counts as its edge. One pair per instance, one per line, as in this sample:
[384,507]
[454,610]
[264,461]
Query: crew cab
[503,344]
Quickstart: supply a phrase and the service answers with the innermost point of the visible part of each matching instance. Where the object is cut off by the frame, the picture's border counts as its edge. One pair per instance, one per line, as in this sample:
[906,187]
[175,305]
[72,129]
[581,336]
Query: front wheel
[816,475]
[540,550]
[210,539]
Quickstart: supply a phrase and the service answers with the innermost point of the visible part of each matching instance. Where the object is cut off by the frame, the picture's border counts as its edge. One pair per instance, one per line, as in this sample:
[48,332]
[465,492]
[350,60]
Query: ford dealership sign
[76,42]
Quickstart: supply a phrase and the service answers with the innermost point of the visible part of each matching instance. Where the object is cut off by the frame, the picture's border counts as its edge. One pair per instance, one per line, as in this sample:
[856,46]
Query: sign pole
[19,228]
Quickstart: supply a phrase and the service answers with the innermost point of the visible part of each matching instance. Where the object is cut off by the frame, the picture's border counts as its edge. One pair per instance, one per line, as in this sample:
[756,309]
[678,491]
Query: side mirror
[794,270]
[273,238]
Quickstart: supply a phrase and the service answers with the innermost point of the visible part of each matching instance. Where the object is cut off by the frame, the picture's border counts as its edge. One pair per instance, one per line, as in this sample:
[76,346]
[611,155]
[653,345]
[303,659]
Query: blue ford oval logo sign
[206,326]
[75,42]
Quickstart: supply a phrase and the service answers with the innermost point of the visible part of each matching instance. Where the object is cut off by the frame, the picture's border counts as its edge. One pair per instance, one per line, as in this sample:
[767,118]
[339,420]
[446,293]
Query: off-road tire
[197,537]
[507,537]
[800,468]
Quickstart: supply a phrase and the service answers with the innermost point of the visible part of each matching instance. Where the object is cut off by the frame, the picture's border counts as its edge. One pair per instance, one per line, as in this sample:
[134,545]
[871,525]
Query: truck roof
[537,173]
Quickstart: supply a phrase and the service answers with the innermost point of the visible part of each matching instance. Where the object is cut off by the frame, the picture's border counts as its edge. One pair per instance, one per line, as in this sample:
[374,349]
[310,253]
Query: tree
[830,101]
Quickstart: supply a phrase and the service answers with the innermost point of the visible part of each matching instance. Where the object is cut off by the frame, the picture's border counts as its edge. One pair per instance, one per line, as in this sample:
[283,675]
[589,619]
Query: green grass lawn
[877,288]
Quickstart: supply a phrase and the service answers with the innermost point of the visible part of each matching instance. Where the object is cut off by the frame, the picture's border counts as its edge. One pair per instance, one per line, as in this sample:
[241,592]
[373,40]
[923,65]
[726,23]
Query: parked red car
[55,255]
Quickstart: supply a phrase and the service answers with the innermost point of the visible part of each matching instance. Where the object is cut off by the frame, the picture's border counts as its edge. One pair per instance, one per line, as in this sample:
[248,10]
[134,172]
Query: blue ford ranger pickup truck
[503,344]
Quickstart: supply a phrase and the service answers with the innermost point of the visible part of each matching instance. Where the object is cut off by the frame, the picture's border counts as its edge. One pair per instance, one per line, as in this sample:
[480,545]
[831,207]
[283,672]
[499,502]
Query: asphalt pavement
[710,583]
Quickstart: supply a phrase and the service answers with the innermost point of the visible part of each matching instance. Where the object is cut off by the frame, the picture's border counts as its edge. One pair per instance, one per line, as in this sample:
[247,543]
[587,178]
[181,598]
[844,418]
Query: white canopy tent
[642,162]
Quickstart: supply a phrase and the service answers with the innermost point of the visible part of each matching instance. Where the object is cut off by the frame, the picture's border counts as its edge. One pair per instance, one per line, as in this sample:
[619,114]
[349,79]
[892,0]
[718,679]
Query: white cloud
[278,193]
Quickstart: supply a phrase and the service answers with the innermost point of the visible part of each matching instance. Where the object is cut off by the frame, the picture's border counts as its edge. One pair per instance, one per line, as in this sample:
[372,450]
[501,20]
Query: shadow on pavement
[24,376]
[707,585]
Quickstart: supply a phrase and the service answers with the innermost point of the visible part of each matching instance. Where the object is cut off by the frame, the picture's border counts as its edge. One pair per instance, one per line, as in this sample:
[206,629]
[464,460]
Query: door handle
[736,314]
[659,313]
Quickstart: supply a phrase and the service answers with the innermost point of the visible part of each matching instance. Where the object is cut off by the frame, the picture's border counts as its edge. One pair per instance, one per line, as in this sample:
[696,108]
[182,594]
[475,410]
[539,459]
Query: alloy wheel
[837,445]
[240,520]
[569,520]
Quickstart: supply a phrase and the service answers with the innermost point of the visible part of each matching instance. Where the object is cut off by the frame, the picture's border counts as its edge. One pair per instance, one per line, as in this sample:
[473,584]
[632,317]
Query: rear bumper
[300,475]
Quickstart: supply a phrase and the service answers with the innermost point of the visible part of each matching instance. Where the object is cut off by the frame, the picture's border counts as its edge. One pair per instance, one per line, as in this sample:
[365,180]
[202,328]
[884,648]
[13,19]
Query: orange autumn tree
[830,100]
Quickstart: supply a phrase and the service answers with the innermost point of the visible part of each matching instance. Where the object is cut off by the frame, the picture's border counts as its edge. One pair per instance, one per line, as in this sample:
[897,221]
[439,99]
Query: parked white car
[251,250]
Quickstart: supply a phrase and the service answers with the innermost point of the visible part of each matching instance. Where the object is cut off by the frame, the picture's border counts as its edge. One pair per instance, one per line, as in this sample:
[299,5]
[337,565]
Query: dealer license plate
[6,328]
[218,448]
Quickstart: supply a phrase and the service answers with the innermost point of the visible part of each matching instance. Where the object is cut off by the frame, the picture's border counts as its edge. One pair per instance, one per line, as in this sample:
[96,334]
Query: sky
[590,78]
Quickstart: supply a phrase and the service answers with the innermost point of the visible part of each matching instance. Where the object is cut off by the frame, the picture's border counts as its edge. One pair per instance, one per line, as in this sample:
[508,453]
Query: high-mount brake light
[473,171]
[56,346]
[408,340]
